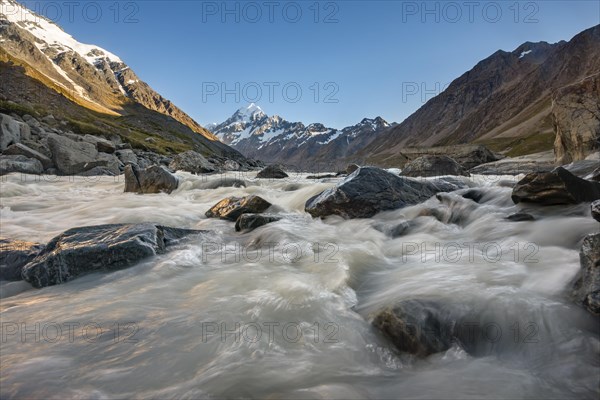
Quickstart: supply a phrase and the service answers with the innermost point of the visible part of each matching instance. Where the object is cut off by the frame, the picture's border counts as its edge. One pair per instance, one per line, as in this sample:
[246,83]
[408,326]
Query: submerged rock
[586,289]
[370,190]
[154,179]
[272,172]
[248,222]
[232,207]
[14,255]
[94,248]
[433,165]
[518,217]
[556,187]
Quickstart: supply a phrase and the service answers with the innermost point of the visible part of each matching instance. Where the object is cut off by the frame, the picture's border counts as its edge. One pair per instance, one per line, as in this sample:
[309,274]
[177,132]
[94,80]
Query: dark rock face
[518,217]
[596,210]
[416,327]
[14,255]
[193,162]
[556,187]
[434,165]
[370,190]
[586,289]
[94,248]
[20,164]
[20,149]
[248,222]
[232,207]
[153,179]
[272,172]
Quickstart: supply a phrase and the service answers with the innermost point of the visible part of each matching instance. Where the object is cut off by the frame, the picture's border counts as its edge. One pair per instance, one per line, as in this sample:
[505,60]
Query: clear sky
[334,62]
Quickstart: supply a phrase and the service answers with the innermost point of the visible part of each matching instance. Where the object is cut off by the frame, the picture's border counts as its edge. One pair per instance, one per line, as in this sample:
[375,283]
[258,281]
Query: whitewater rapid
[284,311]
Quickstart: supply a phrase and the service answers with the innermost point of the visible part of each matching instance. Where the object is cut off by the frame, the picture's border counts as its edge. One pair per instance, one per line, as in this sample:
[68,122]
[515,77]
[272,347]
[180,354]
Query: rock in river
[93,248]
[248,222]
[586,289]
[434,165]
[370,190]
[14,255]
[232,207]
[272,172]
[154,179]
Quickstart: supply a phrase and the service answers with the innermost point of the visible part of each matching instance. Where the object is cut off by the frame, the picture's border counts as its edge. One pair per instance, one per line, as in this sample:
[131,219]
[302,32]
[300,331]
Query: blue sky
[334,62]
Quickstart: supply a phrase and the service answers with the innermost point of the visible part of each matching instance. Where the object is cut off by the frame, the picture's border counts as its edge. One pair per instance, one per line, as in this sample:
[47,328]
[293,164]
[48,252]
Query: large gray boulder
[14,255]
[12,131]
[556,187]
[586,288]
[22,164]
[232,207]
[102,145]
[433,165]
[22,150]
[154,179]
[193,162]
[71,157]
[95,248]
[272,172]
[127,156]
[370,190]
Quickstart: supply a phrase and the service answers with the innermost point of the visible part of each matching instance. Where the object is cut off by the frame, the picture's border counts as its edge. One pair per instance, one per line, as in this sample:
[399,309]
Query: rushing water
[284,311]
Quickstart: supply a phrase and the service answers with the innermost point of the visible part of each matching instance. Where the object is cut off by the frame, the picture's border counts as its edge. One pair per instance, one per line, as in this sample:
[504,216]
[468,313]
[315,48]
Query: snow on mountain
[271,138]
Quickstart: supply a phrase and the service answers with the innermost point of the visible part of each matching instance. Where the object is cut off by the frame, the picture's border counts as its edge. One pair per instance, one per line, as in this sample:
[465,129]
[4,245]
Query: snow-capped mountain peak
[250,113]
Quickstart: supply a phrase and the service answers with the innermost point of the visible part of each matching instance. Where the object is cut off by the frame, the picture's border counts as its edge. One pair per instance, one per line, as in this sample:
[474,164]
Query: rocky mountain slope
[513,102]
[98,92]
[274,139]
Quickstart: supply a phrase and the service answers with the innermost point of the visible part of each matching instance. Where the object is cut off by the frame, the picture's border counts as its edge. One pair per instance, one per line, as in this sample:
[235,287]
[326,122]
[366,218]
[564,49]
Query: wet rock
[193,162]
[596,210]
[248,222]
[22,150]
[396,230]
[433,165]
[272,172]
[351,168]
[232,207]
[154,179]
[556,187]
[473,194]
[14,255]
[224,182]
[417,327]
[518,217]
[586,288]
[370,190]
[88,249]
[22,164]
[325,176]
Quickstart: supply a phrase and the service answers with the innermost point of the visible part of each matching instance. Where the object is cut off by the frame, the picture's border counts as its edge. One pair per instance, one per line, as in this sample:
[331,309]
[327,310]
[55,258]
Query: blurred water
[284,311]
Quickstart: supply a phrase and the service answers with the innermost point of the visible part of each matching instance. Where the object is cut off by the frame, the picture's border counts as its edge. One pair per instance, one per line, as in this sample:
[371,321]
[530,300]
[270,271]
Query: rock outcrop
[576,118]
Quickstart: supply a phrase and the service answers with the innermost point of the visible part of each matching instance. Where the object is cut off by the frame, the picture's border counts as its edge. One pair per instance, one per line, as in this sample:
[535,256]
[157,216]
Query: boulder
[22,150]
[586,288]
[370,190]
[556,187]
[154,179]
[575,115]
[351,168]
[193,162]
[94,248]
[102,145]
[232,207]
[417,327]
[22,164]
[272,172]
[96,171]
[10,131]
[248,222]
[71,157]
[14,255]
[596,210]
[127,156]
[434,165]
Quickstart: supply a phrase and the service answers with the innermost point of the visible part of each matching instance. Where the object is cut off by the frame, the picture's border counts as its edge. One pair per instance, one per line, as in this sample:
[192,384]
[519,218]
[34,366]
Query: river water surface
[285,311]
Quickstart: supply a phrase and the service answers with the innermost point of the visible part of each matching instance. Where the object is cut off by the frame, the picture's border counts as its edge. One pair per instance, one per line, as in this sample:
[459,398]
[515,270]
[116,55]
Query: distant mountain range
[274,139]
[46,69]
